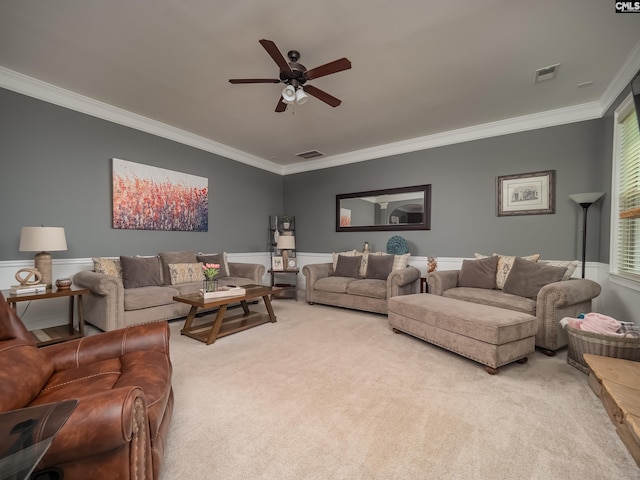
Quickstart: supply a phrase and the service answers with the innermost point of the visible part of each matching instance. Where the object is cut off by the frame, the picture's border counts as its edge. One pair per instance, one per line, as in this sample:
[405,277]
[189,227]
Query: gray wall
[56,171]
[463,213]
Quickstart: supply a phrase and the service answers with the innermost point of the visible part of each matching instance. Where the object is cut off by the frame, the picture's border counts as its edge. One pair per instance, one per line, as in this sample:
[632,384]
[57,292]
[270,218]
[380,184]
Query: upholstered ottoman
[489,335]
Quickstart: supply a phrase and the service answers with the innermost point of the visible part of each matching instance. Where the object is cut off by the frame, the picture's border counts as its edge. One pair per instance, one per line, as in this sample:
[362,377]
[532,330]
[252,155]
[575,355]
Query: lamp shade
[589,198]
[289,94]
[301,97]
[42,239]
[286,242]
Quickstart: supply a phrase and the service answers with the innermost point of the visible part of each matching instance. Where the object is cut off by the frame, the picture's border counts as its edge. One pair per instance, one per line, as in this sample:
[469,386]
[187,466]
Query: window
[626,206]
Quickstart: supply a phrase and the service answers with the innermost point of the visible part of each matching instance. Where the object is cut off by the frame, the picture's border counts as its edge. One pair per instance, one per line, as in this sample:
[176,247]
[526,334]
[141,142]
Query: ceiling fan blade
[329,68]
[281,107]
[322,95]
[273,51]
[254,80]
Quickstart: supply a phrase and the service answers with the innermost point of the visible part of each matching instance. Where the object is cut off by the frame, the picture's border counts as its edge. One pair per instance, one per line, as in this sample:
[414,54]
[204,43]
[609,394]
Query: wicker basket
[627,347]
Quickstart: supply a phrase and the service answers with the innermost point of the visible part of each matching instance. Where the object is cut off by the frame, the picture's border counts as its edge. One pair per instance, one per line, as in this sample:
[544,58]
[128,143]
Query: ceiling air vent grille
[546,73]
[310,154]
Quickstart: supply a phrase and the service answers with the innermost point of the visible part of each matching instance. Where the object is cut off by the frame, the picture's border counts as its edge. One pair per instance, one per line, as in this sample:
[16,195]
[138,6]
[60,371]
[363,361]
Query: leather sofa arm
[112,344]
[101,422]
[104,306]
[403,281]
[254,271]
[441,281]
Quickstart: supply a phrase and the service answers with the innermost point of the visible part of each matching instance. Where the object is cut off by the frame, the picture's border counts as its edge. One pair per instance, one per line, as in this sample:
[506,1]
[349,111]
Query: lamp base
[42,262]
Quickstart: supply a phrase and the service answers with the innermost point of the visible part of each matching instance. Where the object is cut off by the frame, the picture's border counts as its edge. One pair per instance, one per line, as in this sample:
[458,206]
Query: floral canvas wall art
[152,198]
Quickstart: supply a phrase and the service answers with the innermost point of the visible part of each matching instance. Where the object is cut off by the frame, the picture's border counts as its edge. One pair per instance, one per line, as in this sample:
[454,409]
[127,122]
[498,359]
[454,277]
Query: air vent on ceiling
[546,73]
[310,154]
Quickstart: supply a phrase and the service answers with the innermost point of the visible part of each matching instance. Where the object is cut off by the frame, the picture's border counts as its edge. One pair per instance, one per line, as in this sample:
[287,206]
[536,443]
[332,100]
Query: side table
[59,333]
[289,290]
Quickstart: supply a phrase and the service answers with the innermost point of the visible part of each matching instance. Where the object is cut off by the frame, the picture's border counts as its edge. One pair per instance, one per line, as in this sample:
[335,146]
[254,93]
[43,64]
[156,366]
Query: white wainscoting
[617,298]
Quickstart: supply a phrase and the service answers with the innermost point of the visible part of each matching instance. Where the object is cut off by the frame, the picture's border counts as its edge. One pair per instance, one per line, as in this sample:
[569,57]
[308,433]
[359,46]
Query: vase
[210,285]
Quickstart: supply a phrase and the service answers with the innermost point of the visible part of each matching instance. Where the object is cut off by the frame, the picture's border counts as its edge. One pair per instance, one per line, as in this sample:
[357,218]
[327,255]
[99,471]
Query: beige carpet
[327,393]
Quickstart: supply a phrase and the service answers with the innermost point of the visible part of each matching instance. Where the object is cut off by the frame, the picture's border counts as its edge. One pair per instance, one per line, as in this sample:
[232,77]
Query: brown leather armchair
[122,381]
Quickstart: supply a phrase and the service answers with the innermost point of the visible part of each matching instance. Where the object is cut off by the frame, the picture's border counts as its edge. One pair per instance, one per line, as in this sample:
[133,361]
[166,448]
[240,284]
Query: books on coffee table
[224,291]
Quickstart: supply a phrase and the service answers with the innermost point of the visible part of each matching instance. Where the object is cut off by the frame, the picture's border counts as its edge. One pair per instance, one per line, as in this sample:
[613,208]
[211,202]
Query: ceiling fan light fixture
[289,94]
[301,97]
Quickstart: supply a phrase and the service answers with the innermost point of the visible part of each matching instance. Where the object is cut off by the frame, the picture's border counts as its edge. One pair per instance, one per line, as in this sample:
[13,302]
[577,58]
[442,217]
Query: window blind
[629,198]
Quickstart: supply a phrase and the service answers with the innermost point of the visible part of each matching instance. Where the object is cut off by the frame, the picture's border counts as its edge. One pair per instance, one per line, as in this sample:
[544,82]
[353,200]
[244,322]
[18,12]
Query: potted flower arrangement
[210,270]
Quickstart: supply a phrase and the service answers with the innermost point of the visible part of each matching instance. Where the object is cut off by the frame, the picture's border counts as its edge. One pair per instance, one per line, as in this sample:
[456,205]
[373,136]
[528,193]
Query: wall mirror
[404,208]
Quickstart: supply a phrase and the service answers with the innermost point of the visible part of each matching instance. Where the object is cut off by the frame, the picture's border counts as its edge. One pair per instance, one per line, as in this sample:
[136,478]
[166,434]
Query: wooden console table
[59,333]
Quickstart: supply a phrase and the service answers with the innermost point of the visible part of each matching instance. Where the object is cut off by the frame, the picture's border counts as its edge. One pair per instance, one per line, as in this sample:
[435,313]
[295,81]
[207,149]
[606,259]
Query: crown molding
[50,93]
[47,92]
[561,116]
[622,79]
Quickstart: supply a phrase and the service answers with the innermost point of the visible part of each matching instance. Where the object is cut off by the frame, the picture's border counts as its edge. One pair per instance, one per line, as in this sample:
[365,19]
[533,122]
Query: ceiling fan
[295,75]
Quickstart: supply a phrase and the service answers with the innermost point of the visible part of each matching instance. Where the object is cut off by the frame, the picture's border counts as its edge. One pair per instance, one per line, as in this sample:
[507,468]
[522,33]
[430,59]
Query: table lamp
[43,240]
[286,243]
[585,200]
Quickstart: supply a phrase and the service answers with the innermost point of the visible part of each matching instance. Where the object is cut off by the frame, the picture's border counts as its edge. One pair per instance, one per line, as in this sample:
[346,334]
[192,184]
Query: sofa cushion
[185,272]
[527,278]
[348,266]
[570,266]
[107,266]
[368,287]
[140,271]
[333,284]
[493,298]
[145,297]
[25,370]
[379,266]
[479,273]
[167,258]
[505,262]
[350,253]
[216,258]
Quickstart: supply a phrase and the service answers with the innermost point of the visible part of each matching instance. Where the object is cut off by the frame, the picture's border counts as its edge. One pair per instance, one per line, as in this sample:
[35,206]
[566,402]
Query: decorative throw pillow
[350,253]
[527,278]
[400,261]
[347,266]
[570,266]
[505,263]
[185,272]
[379,267]
[181,256]
[214,258]
[479,273]
[107,266]
[365,262]
[140,271]
[223,273]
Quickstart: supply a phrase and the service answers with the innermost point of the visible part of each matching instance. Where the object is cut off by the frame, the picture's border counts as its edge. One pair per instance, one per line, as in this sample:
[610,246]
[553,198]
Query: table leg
[267,303]
[80,316]
[189,321]
[215,328]
[245,307]
[71,305]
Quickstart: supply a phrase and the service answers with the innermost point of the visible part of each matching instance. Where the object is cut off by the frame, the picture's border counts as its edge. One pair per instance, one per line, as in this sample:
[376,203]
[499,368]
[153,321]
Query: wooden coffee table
[221,326]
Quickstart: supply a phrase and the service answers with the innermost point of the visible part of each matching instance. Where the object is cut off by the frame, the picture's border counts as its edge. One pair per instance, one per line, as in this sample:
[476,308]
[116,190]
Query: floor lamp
[585,200]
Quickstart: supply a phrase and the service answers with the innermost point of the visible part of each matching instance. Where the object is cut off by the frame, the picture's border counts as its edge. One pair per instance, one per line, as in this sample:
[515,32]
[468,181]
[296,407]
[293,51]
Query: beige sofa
[113,303]
[358,292]
[555,300]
